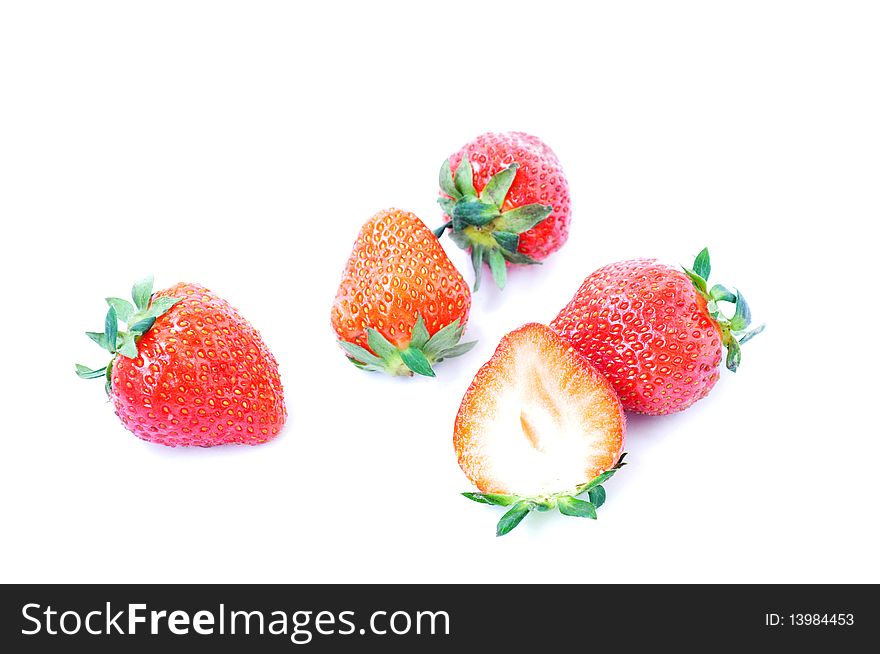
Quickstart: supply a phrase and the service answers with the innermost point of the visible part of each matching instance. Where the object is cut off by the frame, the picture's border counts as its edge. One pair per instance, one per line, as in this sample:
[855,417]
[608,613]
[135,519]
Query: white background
[241,145]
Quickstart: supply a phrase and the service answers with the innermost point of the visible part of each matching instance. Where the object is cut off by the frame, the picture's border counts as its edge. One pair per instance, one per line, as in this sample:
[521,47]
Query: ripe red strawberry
[401,306]
[656,332]
[506,200]
[189,370]
[537,427]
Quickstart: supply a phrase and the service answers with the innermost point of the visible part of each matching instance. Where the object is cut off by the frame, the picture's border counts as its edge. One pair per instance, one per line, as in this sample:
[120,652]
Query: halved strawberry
[538,426]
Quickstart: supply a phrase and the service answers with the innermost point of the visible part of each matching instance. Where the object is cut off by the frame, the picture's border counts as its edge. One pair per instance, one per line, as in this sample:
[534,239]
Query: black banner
[319,618]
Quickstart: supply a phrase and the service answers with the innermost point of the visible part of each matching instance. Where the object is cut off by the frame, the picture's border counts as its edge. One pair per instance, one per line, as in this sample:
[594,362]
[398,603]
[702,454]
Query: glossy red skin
[203,377]
[643,325]
[539,179]
[397,271]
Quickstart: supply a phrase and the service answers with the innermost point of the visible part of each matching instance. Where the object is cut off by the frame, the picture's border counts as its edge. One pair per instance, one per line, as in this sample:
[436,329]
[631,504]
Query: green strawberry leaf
[712,308]
[443,339]
[498,267]
[141,292]
[574,507]
[143,325]
[745,338]
[161,305]
[100,338]
[368,367]
[84,372]
[448,206]
[498,185]
[457,350]
[447,185]
[473,212]
[721,293]
[597,496]
[128,348]
[460,239]
[602,477]
[111,328]
[507,240]
[124,308]
[380,345]
[464,179]
[438,232]
[734,355]
[544,503]
[595,481]
[698,281]
[477,253]
[416,361]
[360,354]
[492,498]
[420,336]
[522,219]
[702,265]
[513,517]
[519,257]
[743,315]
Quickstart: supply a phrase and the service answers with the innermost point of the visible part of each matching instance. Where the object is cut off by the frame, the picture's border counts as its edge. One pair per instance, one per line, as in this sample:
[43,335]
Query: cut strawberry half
[537,427]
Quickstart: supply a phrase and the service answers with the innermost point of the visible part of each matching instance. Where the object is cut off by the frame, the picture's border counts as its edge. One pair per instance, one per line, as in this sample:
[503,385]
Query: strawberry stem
[566,502]
[139,318]
[734,330]
[479,223]
[418,357]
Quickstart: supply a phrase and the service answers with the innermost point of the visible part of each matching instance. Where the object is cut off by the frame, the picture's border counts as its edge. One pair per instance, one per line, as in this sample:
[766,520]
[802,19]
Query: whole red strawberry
[655,332]
[401,305]
[189,370]
[506,200]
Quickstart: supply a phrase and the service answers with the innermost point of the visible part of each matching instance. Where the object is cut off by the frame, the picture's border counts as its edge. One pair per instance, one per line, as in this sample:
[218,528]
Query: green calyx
[735,330]
[480,224]
[418,357]
[566,502]
[138,318]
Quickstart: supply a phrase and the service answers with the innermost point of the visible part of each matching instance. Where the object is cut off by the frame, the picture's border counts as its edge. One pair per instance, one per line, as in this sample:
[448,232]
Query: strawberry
[537,427]
[189,370]
[656,332]
[506,200]
[401,305]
